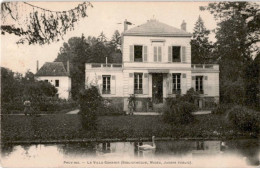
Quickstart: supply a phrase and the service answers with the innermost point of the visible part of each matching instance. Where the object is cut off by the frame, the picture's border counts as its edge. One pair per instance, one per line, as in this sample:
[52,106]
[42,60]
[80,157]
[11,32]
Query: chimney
[125,25]
[183,25]
[37,66]
[68,67]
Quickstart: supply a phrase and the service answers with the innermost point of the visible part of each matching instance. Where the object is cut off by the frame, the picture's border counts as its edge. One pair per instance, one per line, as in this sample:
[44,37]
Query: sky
[103,17]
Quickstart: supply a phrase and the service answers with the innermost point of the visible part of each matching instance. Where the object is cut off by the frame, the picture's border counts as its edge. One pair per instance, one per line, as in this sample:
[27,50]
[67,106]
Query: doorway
[157,90]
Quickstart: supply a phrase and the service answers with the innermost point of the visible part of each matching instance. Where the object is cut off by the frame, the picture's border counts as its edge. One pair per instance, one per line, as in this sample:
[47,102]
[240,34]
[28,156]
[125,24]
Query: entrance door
[157,84]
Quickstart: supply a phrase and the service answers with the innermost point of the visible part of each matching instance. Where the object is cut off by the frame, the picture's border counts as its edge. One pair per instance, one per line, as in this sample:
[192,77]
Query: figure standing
[27,107]
[131,104]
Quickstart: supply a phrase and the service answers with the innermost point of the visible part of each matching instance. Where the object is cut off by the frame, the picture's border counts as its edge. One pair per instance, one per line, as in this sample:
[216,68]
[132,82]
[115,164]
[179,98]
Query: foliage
[200,45]
[237,33]
[38,25]
[90,101]
[252,82]
[222,108]
[179,110]
[244,119]
[15,89]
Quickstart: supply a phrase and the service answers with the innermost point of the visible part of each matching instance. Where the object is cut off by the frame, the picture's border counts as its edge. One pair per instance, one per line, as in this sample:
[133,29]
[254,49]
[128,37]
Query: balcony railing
[103,65]
[205,66]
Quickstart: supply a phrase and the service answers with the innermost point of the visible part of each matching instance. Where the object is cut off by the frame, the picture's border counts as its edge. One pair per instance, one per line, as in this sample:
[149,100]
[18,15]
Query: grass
[59,127]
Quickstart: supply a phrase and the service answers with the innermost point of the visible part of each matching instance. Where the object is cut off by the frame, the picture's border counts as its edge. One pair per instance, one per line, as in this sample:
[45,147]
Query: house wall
[64,85]
[149,42]
[210,83]
[94,77]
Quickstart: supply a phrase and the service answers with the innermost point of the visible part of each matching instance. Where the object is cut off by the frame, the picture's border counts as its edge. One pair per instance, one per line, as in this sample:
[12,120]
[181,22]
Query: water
[234,153]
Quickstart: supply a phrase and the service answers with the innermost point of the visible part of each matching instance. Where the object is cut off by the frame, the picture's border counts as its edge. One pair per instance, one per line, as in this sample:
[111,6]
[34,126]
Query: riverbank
[65,128]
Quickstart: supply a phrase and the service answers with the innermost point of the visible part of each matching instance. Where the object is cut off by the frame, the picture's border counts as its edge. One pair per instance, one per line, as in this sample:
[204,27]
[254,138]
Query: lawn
[60,127]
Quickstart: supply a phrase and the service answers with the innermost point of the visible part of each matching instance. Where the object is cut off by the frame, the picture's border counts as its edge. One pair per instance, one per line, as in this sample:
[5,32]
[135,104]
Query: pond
[179,153]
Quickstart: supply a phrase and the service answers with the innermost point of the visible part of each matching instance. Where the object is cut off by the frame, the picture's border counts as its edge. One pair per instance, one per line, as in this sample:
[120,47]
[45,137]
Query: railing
[103,65]
[205,66]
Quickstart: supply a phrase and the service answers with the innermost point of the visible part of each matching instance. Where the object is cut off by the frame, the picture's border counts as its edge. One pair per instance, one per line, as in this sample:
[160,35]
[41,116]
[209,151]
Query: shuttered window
[199,84]
[138,53]
[157,53]
[138,83]
[176,54]
[176,83]
[106,88]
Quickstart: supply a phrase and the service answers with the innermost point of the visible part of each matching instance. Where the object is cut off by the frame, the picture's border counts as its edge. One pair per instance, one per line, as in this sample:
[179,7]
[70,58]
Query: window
[199,84]
[176,83]
[57,83]
[138,83]
[106,84]
[157,51]
[176,54]
[138,53]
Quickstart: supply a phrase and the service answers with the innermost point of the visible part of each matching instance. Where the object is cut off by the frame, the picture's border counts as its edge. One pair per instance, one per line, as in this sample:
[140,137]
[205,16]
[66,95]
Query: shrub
[178,112]
[244,119]
[90,102]
[222,109]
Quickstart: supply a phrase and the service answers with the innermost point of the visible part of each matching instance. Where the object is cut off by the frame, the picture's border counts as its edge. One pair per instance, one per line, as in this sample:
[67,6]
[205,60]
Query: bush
[178,112]
[244,119]
[90,102]
[222,109]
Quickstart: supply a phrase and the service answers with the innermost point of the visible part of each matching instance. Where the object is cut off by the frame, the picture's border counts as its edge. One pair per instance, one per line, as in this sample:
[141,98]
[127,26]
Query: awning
[161,71]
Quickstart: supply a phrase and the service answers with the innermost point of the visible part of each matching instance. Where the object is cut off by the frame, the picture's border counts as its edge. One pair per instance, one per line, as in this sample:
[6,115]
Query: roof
[156,28]
[52,69]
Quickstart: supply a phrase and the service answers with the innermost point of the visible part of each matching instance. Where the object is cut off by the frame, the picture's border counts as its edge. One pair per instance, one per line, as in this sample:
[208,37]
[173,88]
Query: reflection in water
[217,153]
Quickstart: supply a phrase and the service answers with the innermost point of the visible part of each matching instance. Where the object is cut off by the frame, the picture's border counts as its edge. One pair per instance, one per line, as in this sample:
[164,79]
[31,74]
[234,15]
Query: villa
[156,64]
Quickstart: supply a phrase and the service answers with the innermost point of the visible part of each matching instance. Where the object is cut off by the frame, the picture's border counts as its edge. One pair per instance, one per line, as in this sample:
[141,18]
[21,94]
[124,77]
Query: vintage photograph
[130,84]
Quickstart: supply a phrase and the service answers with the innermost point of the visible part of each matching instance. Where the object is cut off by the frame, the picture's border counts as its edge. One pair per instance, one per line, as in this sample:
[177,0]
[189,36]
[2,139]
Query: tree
[200,46]
[116,41]
[15,89]
[102,38]
[37,25]
[77,52]
[237,34]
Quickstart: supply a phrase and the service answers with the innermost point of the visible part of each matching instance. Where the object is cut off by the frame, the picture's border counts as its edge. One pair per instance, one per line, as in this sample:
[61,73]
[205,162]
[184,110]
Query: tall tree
[77,52]
[200,46]
[116,41]
[236,35]
[37,25]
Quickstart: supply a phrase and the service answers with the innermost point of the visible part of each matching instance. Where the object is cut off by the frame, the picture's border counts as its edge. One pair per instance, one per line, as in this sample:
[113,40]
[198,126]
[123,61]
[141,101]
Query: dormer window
[138,53]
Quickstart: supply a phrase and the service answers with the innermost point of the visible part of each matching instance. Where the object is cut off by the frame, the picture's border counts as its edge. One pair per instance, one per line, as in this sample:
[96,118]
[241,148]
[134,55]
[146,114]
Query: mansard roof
[156,28]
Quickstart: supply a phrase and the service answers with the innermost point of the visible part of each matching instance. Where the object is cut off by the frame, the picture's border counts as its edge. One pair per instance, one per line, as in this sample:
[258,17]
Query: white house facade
[156,65]
[56,74]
